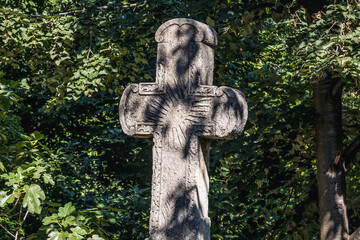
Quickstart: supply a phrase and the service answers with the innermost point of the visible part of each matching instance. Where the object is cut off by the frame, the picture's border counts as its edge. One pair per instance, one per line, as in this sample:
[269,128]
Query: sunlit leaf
[32,199]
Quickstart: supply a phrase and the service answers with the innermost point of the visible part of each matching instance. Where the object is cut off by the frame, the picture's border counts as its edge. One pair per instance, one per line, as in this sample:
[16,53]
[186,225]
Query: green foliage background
[67,166]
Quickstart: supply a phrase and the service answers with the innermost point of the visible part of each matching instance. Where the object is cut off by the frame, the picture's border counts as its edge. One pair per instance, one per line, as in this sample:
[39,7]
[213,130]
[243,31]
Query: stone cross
[182,110]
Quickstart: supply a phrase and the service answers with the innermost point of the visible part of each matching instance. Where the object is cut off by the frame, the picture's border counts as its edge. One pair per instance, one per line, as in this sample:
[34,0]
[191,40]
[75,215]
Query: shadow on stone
[182,111]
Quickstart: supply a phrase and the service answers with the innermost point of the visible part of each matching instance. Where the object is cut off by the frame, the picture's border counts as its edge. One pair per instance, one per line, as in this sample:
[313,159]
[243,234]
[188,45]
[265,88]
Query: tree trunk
[330,168]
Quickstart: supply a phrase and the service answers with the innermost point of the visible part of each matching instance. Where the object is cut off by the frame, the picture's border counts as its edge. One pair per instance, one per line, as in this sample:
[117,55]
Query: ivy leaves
[4,198]
[68,224]
[32,199]
[25,174]
[332,44]
[61,75]
[32,195]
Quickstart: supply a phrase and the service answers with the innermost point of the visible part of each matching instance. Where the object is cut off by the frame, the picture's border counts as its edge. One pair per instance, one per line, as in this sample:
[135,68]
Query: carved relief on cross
[182,111]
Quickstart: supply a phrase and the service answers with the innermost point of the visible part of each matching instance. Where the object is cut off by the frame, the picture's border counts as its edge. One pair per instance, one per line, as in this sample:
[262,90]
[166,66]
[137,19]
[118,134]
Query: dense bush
[69,172]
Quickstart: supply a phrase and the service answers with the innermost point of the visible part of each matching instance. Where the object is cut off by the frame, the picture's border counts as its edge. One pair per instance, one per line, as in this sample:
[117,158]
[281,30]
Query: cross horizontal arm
[211,112]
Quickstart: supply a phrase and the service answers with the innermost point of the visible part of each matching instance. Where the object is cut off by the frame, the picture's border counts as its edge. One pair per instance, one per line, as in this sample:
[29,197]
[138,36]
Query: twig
[90,51]
[332,26]
[106,7]
[27,212]
[355,235]
[7,231]
[17,201]
[282,213]
[274,65]
[21,224]
[348,28]
[350,152]
[357,126]
[18,230]
[342,29]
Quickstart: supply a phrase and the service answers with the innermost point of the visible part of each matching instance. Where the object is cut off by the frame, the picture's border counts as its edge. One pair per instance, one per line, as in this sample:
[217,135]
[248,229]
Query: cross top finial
[186,29]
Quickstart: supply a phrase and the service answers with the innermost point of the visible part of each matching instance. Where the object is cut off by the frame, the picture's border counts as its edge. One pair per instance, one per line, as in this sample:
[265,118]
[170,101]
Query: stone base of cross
[182,111]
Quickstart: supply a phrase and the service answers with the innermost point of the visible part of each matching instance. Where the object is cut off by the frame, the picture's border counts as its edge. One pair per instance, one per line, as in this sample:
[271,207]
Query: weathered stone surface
[182,111]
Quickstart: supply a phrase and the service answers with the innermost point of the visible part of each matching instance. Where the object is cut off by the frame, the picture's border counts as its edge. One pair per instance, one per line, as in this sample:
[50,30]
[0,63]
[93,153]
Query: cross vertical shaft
[182,111]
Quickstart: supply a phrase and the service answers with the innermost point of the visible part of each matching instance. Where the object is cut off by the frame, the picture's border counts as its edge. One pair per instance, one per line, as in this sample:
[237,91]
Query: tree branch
[107,7]
[7,231]
[273,235]
[26,214]
[350,152]
[17,201]
[355,235]
[20,223]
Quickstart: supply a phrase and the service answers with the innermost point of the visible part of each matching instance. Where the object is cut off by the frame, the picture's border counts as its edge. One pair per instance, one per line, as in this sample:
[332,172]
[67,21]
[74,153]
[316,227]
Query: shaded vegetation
[68,171]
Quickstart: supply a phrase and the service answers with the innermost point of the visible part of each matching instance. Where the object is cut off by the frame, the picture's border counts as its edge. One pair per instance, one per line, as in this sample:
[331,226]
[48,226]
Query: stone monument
[182,111]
